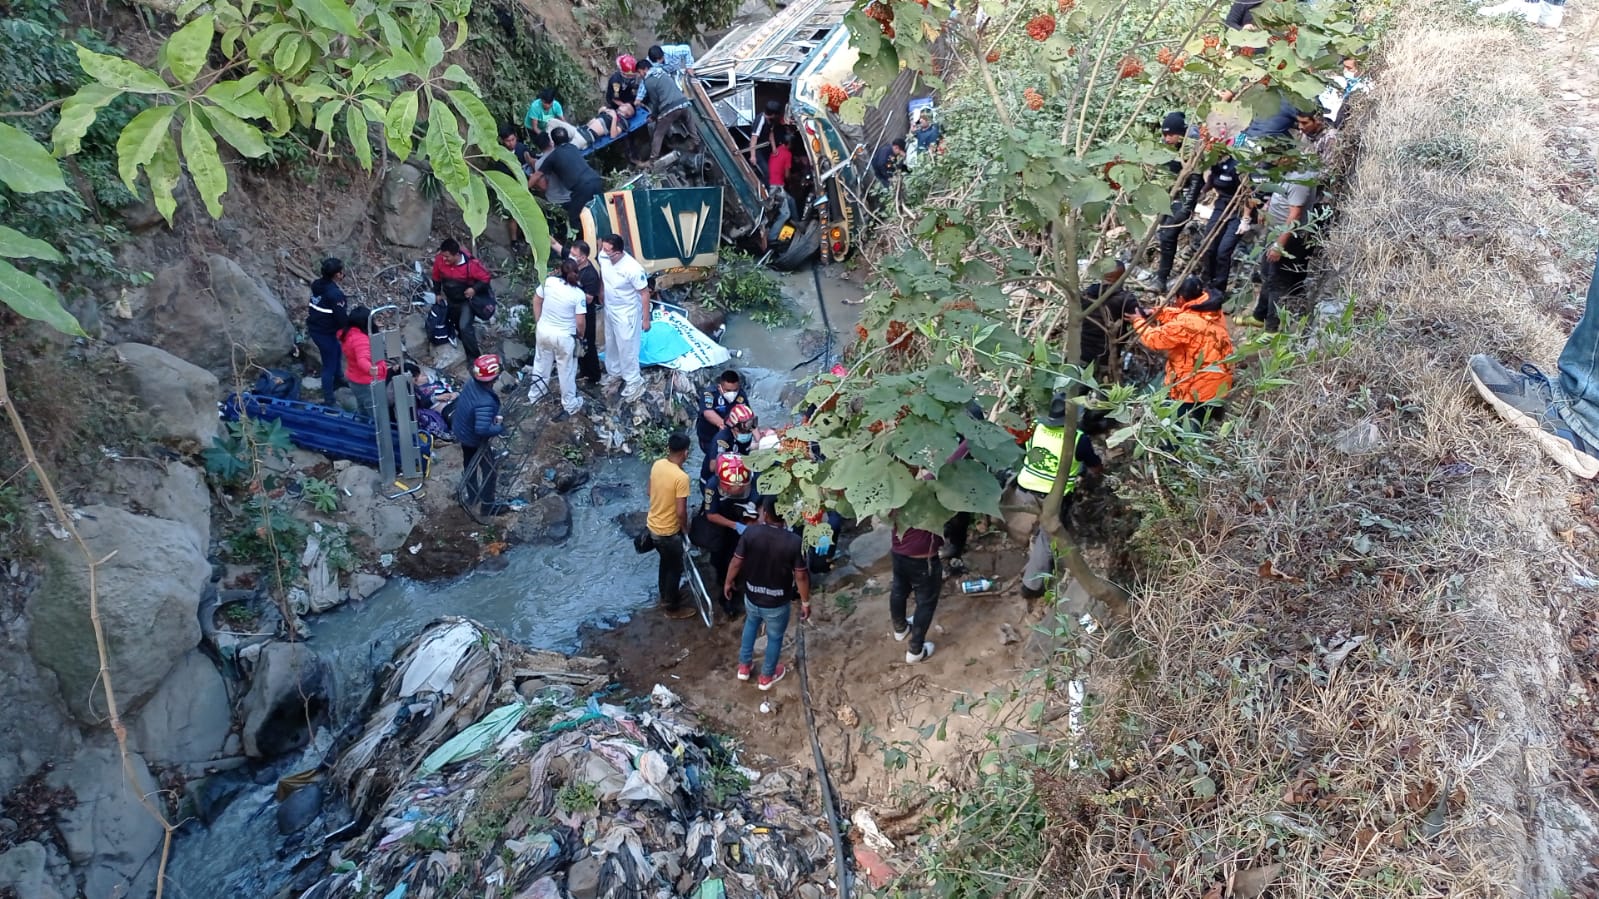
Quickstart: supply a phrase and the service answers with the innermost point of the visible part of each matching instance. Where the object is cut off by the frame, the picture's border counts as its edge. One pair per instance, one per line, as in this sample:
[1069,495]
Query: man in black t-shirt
[593,287]
[566,163]
[770,559]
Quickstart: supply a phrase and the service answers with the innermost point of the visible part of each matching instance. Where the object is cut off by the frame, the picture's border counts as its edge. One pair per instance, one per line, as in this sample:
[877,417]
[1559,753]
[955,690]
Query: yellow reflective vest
[1044,450]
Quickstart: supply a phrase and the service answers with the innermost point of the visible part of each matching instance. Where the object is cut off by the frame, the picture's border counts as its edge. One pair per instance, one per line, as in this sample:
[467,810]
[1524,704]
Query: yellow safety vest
[1044,450]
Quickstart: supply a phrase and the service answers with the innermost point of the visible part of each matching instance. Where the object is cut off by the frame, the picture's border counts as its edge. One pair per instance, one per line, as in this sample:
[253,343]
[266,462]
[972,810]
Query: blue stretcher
[333,432]
[641,117]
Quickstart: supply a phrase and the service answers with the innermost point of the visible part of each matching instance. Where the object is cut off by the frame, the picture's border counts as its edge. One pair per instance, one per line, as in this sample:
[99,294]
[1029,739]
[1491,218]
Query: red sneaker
[743,672]
[766,683]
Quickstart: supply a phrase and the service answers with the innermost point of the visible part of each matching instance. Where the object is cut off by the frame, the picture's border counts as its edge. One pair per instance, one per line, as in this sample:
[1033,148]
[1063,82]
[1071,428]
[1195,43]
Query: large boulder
[149,591]
[109,834]
[188,718]
[179,397]
[407,210]
[386,522]
[255,318]
[170,490]
[206,316]
[288,692]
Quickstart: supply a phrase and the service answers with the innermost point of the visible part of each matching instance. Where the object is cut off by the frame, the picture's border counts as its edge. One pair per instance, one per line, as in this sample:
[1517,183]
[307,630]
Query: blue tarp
[662,345]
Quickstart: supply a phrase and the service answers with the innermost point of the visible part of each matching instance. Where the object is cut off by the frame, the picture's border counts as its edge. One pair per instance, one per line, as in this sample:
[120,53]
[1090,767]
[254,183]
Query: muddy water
[541,596]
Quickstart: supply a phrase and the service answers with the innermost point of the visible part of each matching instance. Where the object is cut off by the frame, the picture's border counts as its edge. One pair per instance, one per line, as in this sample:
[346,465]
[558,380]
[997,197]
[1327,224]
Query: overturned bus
[790,62]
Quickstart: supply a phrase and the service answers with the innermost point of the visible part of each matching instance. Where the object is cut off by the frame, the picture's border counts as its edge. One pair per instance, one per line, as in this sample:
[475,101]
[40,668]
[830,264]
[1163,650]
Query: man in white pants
[627,315]
[558,307]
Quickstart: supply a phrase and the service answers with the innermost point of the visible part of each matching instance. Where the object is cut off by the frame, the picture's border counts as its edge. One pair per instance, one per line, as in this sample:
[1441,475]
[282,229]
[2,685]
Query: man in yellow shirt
[668,522]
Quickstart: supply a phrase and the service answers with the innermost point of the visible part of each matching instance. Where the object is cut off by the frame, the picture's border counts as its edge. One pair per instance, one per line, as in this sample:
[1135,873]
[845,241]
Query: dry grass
[1379,712]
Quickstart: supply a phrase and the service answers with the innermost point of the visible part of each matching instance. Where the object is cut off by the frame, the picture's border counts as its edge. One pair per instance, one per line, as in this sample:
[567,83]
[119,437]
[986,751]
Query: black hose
[842,866]
[821,303]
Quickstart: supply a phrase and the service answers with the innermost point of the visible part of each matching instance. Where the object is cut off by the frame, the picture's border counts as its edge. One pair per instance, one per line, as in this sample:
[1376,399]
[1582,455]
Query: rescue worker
[668,107]
[358,364]
[737,436]
[627,316]
[476,422]
[1023,501]
[728,509]
[1173,130]
[458,277]
[325,316]
[715,401]
[1193,335]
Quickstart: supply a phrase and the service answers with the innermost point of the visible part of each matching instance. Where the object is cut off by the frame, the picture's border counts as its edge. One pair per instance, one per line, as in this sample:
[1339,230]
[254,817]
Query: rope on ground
[821,772]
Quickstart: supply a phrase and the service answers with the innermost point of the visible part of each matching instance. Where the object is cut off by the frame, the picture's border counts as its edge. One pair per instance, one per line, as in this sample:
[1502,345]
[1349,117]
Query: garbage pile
[488,769]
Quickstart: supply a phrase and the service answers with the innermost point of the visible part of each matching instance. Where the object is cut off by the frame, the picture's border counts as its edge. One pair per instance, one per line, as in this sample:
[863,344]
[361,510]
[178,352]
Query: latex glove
[740,528]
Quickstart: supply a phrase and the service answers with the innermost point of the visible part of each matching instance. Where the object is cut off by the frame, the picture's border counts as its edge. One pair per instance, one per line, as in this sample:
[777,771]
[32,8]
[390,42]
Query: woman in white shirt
[558,307]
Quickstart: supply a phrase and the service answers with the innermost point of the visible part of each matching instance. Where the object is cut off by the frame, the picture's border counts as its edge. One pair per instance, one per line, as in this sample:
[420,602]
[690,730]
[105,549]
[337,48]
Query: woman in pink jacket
[358,367]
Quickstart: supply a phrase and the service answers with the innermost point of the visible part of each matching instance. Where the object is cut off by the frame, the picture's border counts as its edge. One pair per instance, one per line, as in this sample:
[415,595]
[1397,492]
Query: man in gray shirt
[1286,213]
[667,106]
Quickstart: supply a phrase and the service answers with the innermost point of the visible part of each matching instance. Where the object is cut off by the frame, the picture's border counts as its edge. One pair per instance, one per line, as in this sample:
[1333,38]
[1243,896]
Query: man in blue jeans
[771,559]
[1563,414]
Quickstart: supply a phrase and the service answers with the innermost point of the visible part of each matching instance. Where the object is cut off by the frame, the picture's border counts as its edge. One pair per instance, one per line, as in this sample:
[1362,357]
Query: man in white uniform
[558,306]
[627,315]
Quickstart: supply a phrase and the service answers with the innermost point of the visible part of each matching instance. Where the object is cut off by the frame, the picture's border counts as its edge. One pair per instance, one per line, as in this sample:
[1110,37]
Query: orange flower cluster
[1066,5]
[899,334]
[1164,56]
[1212,42]
[1033,99]
[883,14]
[1178,63]
[1293,33]
[1131,67]
[993,56]
[1246,51]
[1040,27]
[834,96]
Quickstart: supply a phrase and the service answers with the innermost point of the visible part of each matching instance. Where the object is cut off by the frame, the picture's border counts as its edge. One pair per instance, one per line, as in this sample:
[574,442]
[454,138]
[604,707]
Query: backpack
[438,323]
[484,305]
[277,383]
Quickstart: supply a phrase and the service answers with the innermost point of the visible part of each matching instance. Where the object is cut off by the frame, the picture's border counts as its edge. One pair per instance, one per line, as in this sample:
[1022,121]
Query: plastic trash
[475,739]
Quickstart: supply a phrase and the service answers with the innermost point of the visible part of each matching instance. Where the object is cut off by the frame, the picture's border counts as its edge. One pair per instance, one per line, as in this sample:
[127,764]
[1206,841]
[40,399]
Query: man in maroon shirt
[917,569]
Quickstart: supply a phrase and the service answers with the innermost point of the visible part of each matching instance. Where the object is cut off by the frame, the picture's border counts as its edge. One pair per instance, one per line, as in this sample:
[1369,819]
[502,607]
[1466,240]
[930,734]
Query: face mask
[745,438]
[730,395]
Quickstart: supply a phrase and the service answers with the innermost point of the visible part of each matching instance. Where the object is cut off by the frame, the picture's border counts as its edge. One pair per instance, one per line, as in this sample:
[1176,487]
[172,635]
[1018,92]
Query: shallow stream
[542,597]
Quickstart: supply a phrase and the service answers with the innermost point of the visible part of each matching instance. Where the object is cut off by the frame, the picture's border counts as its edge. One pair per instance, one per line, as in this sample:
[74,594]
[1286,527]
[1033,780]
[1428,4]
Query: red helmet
[626,64]
[486,368]
[739,414]
[732,475]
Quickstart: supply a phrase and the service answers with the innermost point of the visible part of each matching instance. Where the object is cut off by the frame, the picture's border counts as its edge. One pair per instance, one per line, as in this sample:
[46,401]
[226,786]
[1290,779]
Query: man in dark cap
[1173,131]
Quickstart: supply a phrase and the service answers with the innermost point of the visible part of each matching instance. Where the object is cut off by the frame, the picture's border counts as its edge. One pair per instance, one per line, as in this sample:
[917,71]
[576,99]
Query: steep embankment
[1371,665]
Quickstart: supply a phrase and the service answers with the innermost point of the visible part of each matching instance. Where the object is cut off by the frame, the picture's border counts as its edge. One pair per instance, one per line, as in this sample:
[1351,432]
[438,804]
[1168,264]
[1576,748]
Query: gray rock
[288,691]
[210,796]
[387,522]
[606,494]
[872,547]
[188,717]
[254,317]
[109,834]
[199,316]
[407,212]
[179,398]
[22,869]
[170,490]
[363,585]
[149,593]
[299,809]
[545,520]
[583,878]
